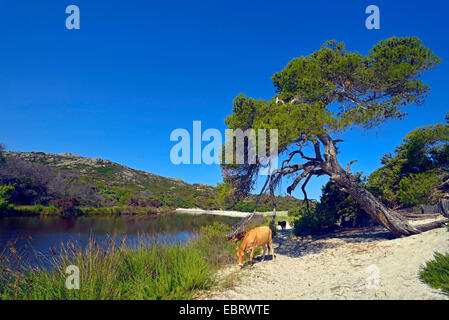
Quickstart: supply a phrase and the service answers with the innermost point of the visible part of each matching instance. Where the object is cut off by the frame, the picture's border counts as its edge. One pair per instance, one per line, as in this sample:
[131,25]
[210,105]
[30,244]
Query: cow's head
[240,255]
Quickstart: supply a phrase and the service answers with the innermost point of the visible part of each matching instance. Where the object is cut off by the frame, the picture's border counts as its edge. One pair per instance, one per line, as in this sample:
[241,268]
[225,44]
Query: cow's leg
[272,249]
[252,254]
[264,251]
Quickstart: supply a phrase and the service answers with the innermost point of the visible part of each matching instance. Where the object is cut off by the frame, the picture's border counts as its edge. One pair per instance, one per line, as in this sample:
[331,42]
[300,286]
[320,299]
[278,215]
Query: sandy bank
[341,266]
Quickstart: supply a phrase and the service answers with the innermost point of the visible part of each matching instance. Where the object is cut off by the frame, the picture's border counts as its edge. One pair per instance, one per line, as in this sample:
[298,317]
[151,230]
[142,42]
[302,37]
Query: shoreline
[228,213]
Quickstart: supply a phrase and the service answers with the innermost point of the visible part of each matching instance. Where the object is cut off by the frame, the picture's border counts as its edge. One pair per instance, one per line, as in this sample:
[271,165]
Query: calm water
[41,234]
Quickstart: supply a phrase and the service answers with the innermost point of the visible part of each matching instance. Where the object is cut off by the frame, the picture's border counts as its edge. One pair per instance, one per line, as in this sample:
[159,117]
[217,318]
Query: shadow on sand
[298,247]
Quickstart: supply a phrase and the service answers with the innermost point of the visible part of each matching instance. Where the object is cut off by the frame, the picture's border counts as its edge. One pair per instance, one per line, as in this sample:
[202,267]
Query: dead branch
[348,170]
[431,225]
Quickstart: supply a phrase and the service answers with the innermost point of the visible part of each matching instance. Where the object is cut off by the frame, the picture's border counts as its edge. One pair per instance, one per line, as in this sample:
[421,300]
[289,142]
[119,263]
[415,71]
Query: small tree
[320,96]
[5,192]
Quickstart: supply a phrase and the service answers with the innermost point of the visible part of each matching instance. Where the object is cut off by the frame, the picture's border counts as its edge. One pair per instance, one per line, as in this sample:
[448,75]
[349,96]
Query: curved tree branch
[303,188]
[298,179]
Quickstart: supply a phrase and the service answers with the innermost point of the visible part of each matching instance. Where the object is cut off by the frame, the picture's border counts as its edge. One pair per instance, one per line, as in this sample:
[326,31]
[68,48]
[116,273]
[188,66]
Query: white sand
[227,213]
[336,268]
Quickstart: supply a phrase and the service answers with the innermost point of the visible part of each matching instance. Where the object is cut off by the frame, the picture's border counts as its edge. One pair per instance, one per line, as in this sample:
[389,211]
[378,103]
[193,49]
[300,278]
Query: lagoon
[44,235]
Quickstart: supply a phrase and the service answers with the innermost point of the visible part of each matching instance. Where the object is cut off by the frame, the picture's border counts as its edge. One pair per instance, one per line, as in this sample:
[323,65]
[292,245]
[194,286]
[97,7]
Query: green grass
[436,272]
[119,272]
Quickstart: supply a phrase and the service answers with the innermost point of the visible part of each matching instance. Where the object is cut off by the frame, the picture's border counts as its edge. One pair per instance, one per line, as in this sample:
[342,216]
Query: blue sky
[137,70]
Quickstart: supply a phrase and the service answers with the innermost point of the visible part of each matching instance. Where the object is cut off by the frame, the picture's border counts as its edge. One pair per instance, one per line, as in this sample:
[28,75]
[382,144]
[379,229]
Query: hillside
[125,185]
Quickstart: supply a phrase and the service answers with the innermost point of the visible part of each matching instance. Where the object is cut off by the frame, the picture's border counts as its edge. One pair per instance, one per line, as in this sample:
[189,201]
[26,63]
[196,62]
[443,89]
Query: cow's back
[257,237]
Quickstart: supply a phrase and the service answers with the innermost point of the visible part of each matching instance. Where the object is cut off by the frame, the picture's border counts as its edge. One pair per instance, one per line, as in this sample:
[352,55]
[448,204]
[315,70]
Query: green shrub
[436,272]
[315,220]
[50,210]
[5,193]
[216,249]
[306,224]
[416,189]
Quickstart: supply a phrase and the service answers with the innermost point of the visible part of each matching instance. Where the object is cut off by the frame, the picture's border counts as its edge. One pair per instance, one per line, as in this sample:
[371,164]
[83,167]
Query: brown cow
[257,237]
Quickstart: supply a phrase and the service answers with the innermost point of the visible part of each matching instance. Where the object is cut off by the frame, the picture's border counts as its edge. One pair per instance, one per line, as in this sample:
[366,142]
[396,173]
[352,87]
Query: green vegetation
[411,175]
[335,208]
[436,272]
[417,188]
[95,184]
[118,272]
[5,192]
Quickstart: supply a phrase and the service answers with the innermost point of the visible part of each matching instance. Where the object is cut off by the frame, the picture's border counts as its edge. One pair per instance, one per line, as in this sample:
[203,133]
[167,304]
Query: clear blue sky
[136,70]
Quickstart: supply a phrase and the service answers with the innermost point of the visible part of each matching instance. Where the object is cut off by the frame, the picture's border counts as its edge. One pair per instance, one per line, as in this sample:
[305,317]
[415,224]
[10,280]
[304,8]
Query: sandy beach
[338,266]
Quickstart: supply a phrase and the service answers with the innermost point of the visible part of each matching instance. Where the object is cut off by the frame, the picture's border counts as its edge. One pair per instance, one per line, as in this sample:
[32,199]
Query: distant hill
[125,185]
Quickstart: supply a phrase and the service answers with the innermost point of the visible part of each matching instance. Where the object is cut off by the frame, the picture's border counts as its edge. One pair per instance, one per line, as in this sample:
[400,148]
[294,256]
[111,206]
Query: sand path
[341,266]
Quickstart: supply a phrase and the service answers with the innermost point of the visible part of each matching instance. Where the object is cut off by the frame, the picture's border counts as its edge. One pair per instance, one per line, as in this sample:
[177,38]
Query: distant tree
[320,96]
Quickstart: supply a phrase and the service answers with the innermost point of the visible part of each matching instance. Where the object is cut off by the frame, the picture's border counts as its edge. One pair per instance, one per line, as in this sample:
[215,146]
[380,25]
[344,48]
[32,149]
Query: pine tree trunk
[390,219]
